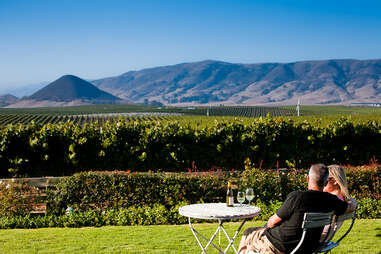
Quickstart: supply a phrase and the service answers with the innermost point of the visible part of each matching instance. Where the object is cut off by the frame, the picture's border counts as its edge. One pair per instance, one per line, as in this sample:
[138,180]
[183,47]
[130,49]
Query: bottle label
[231,201]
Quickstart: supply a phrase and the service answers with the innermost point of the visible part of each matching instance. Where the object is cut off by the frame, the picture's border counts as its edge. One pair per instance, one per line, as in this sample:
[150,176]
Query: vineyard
[110,113]
[82,119]
[249,111]
[103,113]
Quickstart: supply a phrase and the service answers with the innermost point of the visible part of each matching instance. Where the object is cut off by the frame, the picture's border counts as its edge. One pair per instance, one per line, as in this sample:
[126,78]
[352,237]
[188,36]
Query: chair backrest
[338,220]
[313,220]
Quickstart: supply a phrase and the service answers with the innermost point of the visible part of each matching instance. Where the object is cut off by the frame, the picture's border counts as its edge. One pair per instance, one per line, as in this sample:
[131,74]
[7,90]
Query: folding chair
[311,220]
[328,244]
[315,220]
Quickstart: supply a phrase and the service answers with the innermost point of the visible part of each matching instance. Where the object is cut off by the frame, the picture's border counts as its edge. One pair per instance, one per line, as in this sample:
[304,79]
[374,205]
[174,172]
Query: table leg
[220,226]
[219,236]
[195,233]
[235,235]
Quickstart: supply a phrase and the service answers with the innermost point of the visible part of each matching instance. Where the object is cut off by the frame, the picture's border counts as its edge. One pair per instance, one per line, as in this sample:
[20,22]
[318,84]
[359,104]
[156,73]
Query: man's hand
[275,219]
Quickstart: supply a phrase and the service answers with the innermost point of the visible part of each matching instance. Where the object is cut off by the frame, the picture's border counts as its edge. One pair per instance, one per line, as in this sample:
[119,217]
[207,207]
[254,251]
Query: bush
[364,181]
[106,190]
[62,149]
[97,190]
[120,198]
[155,215]
[269,185]
[15,198]
[369,208]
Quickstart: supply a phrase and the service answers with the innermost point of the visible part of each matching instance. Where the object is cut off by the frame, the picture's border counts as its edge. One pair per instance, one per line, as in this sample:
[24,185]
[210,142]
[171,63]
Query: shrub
[97,190]
[155,215]
[15,198]
[364,181]
[61,149]
[102,190]
[369,208]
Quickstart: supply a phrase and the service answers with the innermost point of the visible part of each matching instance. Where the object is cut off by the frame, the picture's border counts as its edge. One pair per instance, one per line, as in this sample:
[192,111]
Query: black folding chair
[314,220]
[328,244]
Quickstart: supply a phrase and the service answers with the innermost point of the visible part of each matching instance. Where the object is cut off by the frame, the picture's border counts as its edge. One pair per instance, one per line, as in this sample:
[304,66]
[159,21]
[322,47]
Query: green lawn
[364,238]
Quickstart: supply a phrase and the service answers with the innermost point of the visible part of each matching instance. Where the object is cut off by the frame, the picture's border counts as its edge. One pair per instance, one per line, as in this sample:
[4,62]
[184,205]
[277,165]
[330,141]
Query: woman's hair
[338,174]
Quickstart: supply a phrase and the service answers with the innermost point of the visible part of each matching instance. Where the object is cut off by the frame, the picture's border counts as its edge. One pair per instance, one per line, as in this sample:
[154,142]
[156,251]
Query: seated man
[284,229]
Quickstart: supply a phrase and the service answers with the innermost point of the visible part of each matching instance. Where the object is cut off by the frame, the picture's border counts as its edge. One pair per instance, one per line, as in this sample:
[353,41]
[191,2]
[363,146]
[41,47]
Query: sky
[43,40]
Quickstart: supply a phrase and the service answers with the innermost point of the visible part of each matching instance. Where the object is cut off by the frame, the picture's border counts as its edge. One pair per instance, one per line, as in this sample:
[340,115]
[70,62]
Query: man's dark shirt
[286,235]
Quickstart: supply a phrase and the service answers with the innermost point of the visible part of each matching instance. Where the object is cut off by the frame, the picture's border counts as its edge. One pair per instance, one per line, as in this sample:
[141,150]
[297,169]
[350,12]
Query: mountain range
[214,82]
[314,82]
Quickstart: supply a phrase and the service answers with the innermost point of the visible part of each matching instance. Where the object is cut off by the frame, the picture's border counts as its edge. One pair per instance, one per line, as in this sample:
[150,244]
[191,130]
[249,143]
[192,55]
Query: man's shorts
[257,241]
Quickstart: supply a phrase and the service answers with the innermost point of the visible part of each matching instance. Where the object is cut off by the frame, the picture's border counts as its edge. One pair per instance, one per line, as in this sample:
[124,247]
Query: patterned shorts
[257,241]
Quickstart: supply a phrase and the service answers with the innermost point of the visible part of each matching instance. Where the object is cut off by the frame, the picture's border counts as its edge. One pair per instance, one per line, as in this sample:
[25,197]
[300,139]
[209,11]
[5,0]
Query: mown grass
[365,237]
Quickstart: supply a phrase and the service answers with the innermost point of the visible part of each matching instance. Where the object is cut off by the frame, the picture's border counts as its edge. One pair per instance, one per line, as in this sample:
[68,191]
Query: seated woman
[337,185]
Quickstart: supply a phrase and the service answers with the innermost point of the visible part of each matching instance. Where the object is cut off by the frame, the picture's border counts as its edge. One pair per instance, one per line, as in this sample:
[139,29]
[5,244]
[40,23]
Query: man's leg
[247,237]
[254,239]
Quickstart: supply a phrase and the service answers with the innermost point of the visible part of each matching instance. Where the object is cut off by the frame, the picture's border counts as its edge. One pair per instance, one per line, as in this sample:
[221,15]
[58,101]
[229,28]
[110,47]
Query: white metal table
[220,212]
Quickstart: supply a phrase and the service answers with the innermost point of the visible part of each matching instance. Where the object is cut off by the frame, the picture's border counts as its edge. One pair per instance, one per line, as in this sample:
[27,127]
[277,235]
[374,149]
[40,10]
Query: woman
[337,185]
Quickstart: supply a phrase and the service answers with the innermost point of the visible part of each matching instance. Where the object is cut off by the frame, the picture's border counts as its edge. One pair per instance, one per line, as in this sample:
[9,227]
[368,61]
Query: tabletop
[219,211]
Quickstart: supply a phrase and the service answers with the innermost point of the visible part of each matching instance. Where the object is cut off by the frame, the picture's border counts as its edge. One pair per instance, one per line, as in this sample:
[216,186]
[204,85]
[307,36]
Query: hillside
[68,90]
[7,99]
[215,82]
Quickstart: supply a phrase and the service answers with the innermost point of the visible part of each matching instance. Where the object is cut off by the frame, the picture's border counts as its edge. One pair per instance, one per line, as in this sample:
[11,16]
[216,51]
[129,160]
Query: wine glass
[249,194]
[241,197]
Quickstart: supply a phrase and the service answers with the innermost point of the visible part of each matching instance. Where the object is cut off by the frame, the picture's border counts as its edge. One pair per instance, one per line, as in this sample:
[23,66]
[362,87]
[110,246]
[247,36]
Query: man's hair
[319,175]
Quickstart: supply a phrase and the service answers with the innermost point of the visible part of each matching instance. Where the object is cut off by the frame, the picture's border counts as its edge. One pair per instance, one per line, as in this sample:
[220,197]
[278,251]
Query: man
[284,229]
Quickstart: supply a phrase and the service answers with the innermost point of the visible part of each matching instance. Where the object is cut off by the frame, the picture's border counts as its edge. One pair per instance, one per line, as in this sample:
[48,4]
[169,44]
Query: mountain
[7,99]
[68,90]
[214,82]
[25,90]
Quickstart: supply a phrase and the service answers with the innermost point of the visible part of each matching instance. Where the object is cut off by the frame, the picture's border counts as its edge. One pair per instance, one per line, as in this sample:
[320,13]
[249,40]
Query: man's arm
[285,211]
[273,221]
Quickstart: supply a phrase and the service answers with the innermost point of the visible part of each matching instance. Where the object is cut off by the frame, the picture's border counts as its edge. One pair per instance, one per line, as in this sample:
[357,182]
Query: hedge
[63,149]
[120,198]
[155,215]
[100,190]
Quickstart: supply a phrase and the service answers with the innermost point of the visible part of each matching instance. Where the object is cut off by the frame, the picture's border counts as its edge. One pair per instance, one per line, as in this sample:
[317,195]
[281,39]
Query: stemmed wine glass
[249,194]
[241,197]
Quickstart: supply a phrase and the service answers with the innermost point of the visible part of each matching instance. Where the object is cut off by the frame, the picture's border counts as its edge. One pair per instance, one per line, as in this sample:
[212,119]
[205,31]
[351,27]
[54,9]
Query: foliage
[155,215]
[102,190]
[364,181]
[62,149]
[147,215]
[120,198]
[270,185]
[92,190]
[369,208]
[14,199]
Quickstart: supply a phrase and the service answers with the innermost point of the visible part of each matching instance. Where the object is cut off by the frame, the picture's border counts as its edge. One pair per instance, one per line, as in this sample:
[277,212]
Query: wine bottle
[229,195]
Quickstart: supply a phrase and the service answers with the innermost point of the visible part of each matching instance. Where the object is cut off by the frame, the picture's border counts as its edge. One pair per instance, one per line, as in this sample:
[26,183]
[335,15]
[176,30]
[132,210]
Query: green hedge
[155,215]
[100,190]
[62,149]
[120,198]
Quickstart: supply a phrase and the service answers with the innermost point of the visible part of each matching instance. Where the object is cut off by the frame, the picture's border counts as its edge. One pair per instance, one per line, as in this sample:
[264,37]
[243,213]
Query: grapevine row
[6,119]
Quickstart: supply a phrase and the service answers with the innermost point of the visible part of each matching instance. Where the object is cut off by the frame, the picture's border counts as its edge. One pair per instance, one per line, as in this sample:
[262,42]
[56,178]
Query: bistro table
[220,212]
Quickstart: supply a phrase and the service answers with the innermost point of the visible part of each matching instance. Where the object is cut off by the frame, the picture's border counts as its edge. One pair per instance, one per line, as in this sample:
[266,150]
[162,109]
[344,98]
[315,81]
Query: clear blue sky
[42,40]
